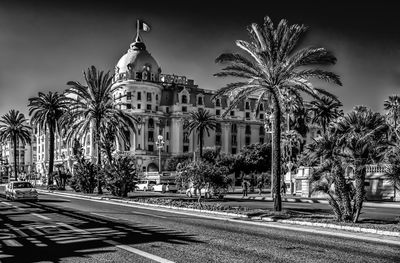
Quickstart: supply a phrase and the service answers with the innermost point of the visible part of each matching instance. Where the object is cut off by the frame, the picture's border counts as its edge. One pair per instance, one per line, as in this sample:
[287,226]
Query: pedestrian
[245,187]
[260,186]
[283,188]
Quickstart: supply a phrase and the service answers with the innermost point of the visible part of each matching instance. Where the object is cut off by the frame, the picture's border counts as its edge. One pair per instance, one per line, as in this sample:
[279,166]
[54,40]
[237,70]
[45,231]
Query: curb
[267,219]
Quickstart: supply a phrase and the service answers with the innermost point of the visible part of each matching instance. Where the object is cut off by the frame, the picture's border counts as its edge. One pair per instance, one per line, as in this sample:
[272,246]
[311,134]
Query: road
[61,229]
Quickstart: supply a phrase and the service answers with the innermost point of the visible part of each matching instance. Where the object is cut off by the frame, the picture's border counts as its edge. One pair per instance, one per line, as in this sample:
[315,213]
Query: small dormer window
[184,99]
[261,107]
[218,103]
[200,101]
[247,105]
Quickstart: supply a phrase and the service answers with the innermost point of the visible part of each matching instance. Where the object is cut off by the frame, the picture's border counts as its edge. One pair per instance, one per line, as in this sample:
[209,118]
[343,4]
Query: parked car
[165,187]
[145,185]
[21,191]
[206,192]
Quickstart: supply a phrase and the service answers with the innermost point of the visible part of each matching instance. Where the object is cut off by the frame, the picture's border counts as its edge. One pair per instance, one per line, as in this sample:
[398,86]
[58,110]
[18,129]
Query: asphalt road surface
[61,229]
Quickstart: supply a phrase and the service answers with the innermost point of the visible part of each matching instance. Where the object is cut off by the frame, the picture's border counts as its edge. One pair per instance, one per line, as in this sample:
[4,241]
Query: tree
[254,158]
[46,111]
[324,111]
[274,69]
[14,127]
[173,161]
[363,137]
[93,108]
[121,175]
[392,106]
[201,121]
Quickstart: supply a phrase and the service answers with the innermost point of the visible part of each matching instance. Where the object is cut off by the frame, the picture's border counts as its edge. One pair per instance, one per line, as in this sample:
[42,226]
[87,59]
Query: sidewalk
[297,199]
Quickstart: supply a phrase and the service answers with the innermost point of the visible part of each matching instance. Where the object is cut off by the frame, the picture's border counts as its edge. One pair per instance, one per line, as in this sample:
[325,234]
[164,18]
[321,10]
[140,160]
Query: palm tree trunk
[201,143]
[97,142]
[51,155]
[360,193]
[276,165]
[15,157]
[335,207]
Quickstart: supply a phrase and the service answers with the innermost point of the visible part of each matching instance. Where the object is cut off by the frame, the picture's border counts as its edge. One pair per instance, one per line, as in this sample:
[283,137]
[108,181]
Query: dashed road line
[139,252]
[41,216]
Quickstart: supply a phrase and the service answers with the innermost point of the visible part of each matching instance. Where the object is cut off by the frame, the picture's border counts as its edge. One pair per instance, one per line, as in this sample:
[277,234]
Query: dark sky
[43,45]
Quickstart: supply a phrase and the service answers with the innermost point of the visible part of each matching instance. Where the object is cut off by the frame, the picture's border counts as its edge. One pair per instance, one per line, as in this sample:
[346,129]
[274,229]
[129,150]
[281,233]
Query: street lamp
[160,144]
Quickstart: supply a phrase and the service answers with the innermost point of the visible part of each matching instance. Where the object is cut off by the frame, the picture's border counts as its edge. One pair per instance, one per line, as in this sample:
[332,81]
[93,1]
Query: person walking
[260,186]
[245,187]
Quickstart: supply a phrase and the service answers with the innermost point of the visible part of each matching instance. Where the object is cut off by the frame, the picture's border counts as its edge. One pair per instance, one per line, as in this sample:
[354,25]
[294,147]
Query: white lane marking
[22,234]
[41,216]
[139,252]
[109,217]
[78,230]
[12,243]
[6,203]
[78,240]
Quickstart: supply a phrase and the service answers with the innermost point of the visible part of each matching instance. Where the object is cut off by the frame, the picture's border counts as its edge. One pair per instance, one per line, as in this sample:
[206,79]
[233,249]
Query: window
[218,127]
[139,95]
[247,105]
[234,140]
[150,136]
[185,148]
[218,112]
[262,140]
[167,148]
[156,96]
[233,150]
[261,107]
[232,113]
[261,116]
[129,95]
[184,109]
[218,139]
[248,129]
[167,109]
[167,136]
[129,106]
[200,101]
[218,103]
[184,99]
[262,131]
[234,128]
[248,115]
[139,106]
[156,108]
[185,137]
[247,140]
[148,106]
[148,96]
[150,148]
[151,124]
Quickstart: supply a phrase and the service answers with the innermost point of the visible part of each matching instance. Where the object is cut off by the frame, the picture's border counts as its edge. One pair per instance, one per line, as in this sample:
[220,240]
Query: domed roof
[137,59]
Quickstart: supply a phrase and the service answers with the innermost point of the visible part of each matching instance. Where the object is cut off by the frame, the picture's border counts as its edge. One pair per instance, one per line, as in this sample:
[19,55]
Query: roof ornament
[140,26]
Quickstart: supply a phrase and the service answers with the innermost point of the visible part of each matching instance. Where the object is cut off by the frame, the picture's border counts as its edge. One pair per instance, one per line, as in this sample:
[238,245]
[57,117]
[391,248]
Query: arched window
[184,99]
[200,100]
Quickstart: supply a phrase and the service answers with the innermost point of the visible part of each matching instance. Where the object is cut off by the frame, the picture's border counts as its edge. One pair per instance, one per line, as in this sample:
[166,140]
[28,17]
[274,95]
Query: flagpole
[137,30]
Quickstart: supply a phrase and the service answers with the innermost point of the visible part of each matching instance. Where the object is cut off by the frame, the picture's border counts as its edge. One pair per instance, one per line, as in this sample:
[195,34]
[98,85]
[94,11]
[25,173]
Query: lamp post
[160,144]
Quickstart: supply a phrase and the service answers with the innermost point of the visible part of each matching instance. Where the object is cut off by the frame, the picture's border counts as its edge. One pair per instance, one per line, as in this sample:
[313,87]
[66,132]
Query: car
[145,185]
[20,190]
[206,192]
[165,187]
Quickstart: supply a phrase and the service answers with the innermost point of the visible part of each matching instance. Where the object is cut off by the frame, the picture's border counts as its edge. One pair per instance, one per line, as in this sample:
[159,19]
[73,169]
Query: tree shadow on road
[73,234]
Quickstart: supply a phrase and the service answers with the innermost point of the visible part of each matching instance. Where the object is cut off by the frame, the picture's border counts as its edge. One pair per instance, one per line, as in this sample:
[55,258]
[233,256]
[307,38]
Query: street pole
[160,144]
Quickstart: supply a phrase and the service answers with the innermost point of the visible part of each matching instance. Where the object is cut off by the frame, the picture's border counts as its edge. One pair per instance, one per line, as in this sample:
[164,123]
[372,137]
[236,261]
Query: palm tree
[93,108]
[46,111]
[14,127]
[392,105]
[364,141]
[324,111]
[201,121]
[274,69]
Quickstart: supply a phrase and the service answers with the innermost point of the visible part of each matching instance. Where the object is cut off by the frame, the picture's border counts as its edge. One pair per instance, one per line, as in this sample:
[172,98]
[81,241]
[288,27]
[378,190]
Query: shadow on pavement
[24,238]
